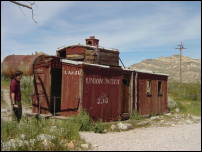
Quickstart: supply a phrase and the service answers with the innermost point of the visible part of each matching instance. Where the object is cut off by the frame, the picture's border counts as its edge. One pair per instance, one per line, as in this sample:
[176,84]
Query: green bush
[99,127]
[84,120]
[136,116]
[27,89]
[87,124]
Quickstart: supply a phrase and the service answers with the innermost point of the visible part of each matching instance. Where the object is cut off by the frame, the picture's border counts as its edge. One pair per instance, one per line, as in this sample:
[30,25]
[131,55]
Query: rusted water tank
[24,63]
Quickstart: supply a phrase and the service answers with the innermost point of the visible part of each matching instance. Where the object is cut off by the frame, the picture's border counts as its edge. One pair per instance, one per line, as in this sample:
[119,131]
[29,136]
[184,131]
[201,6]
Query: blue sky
[140,30]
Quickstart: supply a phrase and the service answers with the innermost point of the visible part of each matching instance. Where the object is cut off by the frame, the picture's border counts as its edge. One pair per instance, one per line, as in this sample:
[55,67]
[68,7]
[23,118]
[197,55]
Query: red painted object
[70,94]
[102,92]
[63,87]
[156,101]
[24,63]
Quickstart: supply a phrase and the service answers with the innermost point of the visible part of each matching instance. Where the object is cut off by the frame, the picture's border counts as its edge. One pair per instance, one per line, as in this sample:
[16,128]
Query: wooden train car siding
[151,100]
[106,93]
[70,96]
[47,85]
[102,93]
[90,53]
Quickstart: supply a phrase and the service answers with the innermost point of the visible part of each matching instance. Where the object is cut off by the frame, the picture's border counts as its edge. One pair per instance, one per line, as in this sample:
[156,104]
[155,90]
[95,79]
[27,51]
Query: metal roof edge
[80,62]
[151,72]
[71,61]
[145,71]
[94,47]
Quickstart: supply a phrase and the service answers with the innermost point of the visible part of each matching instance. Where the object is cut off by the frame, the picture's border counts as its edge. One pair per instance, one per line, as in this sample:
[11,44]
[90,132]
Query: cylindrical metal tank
[24,63]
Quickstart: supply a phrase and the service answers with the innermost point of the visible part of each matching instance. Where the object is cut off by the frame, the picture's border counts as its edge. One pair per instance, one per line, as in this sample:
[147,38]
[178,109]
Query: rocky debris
[154,117]
[196,118]
[32,141]
[95,146]
[142,123]
[44,137]
[171,103]
[168,114]
[177,110]
[130,126]
[14,143]
[85,146]
[71,145]
[105,131]
[21,141]
[173,125]
[47,143]
[22,136]
[113,127]
[188,121]
[124,126]
[53,128]
[63,141]
[161,121]
[121,126]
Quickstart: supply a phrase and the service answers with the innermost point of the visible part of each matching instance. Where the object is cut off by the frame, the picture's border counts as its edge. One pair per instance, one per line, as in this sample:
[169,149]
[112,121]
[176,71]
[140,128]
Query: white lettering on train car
[100,81]
[76,72]
[103,99]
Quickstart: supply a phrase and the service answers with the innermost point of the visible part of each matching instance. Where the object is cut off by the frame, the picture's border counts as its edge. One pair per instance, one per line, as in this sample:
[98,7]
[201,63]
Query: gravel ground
[186,137]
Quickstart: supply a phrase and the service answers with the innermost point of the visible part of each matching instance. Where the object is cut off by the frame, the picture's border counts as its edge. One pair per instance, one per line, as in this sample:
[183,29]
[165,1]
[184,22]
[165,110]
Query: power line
[180,48]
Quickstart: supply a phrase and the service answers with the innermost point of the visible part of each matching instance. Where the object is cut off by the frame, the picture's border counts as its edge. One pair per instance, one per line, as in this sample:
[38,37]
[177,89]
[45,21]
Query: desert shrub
[87,124]
[136,116]
[99,127]
[188,91]
[187,96]
[27,89]
[84,120]
[32,128]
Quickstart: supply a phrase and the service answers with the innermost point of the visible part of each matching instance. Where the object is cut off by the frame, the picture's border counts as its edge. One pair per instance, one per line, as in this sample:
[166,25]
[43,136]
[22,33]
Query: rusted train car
[106,93]
[150,92]
[65,88]
[90,53]
[89,77]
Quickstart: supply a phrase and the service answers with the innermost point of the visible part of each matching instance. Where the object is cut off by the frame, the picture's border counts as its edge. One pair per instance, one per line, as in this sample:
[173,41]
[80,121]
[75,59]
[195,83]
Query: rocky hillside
[191,68]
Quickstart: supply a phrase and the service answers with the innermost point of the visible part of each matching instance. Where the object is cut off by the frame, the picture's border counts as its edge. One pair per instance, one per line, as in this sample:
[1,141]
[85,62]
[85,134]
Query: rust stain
[24,63]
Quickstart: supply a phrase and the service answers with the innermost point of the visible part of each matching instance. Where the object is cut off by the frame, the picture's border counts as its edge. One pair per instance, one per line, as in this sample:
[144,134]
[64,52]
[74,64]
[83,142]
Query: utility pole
[180,48]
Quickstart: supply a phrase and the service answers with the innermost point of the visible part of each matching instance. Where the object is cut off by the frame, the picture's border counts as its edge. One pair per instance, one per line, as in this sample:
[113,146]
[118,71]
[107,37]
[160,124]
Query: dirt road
[186,137]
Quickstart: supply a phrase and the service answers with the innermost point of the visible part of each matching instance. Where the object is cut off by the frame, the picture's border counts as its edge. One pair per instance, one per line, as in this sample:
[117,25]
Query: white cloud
[167,24]
[18,24]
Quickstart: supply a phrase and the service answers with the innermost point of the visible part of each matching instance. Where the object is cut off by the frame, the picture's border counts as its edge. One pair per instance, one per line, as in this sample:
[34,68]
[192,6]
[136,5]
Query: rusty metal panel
[24,63]
[42,83]
[102,93]
[154,103]
[75,50]
[126,92]
[90,55]
[42,89]
[70,97]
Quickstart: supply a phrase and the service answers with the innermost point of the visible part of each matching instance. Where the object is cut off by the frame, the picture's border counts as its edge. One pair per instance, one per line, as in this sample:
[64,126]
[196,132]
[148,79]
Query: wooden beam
[20,4]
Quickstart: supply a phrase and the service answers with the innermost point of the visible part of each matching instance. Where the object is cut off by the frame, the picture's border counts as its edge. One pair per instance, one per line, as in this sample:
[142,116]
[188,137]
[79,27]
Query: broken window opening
[160,92]
[148,88]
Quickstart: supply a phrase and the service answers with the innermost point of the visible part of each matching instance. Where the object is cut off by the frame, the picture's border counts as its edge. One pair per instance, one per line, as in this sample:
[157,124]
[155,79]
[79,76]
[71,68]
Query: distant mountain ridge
[191,68]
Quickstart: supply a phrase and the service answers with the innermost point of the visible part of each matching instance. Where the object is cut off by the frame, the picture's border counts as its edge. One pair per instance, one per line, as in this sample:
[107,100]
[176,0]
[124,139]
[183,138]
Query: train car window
[148,88]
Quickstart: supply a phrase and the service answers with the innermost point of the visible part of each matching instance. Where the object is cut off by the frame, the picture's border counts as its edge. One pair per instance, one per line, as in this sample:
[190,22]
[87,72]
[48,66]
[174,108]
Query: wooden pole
[180,49]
